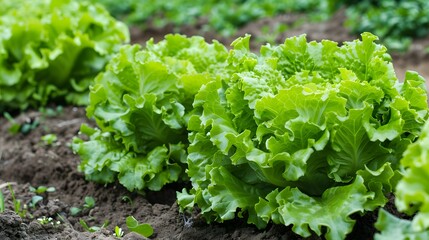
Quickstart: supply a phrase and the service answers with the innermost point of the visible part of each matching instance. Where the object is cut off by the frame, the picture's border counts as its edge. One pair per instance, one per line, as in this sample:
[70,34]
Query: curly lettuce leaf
[104,160]
[143,103]
[315,123]
[391,227]
[292,207]
[412,195]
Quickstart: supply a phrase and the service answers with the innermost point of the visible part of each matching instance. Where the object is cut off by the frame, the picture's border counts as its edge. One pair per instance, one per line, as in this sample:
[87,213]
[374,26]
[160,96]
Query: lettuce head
[303,134]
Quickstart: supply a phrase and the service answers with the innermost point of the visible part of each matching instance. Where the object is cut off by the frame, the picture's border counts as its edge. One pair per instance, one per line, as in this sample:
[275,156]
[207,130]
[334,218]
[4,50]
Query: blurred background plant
[396,22]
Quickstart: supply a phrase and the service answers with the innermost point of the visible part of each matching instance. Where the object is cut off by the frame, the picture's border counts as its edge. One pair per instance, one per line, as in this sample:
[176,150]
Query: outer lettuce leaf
[305,212]
[412,194]
[52,50]
[392,227]
[312,123]
[104,160]
[142,104]
[292,207]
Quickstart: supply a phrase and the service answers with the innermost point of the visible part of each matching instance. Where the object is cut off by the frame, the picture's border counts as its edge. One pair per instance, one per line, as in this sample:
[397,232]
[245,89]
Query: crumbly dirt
[26,161]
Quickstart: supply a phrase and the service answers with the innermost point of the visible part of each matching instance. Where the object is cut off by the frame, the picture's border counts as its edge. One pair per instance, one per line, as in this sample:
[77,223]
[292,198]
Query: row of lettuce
[395,22]
[306,134]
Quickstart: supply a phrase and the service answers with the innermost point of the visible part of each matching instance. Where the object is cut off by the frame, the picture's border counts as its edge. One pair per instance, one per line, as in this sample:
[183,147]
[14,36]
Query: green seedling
[1,202]
[92,228]
[34,200]
[29,126]
[89,203]
[75,211]
[14,125]
[143,229]
[39,191]
[19,209]
[118,232]
[49,139]
[42,189]
[126,198]
[23,128]
[51,112]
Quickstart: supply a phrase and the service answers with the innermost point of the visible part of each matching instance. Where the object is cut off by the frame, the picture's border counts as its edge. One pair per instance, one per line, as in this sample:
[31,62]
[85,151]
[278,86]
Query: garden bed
[26,161]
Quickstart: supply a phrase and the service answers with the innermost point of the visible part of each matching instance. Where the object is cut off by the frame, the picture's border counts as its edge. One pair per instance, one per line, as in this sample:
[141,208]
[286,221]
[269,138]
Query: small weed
[30,124]
[1,202]
[89,203]
[75,211]
[118,232]
[34,200]
[143,229]
[93,228]
[21,210]
[48,220]
[23,128]
[14,125]
[42,189]
[51,112]
[49,139]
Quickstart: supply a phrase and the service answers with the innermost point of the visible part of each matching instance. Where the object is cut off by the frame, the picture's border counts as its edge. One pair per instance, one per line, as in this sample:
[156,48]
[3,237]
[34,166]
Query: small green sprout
[89,203]
[75,211]
[51,112]
[21,210]
[23,128]
[1,202]
[126,198]
[118,232]
[15,126]
[93,228]
[41,189]
[49,139]
[29,126]
[34,200]
[143,229]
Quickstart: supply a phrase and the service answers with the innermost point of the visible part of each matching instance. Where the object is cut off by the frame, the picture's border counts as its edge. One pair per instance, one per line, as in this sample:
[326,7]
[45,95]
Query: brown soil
[25,161]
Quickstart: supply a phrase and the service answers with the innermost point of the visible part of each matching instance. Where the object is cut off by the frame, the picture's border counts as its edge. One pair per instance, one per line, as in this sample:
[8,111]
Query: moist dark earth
[26,161]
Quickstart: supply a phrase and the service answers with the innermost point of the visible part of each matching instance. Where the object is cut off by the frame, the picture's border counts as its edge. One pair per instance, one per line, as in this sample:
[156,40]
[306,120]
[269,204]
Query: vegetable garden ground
[25,161]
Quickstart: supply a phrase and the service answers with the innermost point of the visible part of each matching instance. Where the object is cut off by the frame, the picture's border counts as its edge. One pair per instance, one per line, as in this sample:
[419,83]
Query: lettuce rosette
[304,134]
[141,104]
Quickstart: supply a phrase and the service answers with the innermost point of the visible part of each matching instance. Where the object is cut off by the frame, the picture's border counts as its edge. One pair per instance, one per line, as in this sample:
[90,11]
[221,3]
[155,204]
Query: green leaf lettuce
[141,104]
[304,134]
